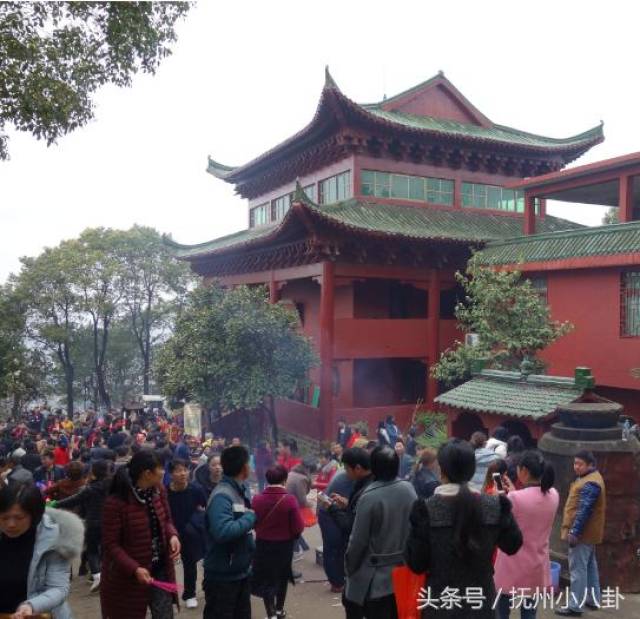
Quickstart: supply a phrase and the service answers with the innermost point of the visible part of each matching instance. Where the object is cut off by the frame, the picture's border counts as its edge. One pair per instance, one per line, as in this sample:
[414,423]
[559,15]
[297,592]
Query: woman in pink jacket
[519,577]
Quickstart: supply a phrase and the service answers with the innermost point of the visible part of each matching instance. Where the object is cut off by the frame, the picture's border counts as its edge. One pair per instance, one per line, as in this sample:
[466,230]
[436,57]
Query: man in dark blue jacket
[230,544]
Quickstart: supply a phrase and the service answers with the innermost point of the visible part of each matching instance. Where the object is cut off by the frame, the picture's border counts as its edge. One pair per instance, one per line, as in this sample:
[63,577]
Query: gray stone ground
[310,599]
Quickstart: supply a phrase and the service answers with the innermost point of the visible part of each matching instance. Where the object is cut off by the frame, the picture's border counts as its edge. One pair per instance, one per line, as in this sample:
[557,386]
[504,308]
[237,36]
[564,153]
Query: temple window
[260,215]
[280,206]
[539,286]
[310,190]
[630,304]
[405,187]
[478,195]
[335,188]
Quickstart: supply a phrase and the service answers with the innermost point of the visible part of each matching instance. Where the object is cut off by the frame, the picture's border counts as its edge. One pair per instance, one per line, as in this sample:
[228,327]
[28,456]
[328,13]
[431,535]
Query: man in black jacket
[343,510]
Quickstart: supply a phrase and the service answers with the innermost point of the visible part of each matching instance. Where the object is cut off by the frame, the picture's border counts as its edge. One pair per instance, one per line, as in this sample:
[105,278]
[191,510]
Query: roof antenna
[384,82]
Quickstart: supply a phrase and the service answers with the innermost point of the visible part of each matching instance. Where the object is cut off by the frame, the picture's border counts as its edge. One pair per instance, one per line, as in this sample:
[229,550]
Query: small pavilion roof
[334,108]
[464,226]
[612,240]
[512,395]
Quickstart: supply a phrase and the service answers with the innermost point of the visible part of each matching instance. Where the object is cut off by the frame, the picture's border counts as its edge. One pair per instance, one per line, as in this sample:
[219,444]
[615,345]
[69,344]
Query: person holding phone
[534,508]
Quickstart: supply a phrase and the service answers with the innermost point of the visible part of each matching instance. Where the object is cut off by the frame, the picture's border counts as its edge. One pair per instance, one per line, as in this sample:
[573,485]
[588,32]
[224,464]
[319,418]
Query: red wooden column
[327,322]
[625,199]
[273,290]
[433,332]
[529,214]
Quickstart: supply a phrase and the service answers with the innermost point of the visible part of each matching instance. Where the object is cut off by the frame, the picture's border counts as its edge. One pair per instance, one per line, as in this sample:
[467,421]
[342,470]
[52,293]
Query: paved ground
[312,598]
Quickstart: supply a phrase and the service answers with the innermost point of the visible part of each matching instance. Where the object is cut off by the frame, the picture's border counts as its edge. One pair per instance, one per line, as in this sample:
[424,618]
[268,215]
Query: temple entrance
[466,424]
[383,382]
[520,429]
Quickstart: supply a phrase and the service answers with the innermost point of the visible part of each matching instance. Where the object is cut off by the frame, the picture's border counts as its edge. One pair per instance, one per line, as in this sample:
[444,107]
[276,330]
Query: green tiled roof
[393,220]
[598,241]
[494,133]
[507,393]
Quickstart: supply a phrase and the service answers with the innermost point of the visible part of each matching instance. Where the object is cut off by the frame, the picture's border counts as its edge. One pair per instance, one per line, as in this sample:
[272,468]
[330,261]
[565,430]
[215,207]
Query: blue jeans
[504,607]
[585,581]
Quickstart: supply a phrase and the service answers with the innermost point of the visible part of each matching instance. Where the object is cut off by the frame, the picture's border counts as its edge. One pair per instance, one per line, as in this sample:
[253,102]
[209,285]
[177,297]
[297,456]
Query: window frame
[625,297]
[347,187]
[381,183]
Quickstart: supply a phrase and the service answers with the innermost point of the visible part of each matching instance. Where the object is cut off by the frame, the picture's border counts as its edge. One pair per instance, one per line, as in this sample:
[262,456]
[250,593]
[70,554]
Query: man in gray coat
[378,539]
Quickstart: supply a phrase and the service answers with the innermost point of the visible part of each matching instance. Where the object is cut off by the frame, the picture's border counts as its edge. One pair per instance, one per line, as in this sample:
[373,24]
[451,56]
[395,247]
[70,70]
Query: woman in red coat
[279,523]
[139,543]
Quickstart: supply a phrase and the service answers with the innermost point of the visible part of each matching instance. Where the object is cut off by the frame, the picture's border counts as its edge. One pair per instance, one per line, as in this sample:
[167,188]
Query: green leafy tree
[46,289]
[22,368]
[234,351]
[55,55]
[154,286]
[510,318]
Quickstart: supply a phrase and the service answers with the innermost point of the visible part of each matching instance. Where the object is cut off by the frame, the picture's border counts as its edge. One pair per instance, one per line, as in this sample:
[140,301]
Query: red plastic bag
[406,587]
[308,517]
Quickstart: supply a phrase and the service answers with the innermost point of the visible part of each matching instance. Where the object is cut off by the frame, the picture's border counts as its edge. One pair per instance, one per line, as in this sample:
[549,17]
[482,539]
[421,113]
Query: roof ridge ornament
[329,82]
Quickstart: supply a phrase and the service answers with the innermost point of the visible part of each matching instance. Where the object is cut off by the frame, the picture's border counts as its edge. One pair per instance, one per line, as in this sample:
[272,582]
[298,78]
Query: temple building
[359,222]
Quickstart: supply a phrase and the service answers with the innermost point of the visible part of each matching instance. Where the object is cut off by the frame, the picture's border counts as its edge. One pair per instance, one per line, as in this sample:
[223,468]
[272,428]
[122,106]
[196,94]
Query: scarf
[146,497]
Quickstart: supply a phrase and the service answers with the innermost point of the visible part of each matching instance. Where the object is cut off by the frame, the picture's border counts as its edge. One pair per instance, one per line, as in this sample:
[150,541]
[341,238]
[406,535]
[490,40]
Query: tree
[22,369]
[510,318]
[55,55]
[234,351]
[154,284]
[45,286]
[611,216]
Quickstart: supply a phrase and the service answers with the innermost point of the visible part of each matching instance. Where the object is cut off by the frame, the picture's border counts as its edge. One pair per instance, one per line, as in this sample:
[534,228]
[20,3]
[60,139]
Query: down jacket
[126,544]
[59,540]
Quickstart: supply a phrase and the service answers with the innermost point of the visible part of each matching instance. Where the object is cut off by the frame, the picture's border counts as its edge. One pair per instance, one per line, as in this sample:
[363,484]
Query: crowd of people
[132,496]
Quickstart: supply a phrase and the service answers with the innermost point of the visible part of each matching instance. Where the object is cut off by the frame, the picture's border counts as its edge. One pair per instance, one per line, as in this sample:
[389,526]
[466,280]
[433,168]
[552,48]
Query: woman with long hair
[139,542]
[453,535]
[278,524]
[534,507]
[37,546]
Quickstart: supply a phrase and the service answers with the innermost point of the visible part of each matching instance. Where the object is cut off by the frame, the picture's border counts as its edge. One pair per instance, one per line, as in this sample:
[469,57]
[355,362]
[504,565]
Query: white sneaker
[191,603]
[297,556]
[95,585]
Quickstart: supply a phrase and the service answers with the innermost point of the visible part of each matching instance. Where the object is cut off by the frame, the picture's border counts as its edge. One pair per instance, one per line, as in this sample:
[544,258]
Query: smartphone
[497,480]
[324,498]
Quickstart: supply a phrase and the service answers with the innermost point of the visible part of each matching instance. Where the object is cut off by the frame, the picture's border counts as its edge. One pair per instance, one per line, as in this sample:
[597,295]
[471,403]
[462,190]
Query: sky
[245,75]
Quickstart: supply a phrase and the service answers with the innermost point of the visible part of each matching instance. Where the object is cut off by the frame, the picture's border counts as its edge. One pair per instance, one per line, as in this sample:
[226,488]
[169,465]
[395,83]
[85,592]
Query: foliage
[435,429]
[511,320]
[611,216]
[107,288]
[55,55]
[22,369]
[233,350]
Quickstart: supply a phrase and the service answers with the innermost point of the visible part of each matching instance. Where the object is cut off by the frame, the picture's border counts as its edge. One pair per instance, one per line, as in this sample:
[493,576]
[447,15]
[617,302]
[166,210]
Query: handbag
[308,517]
[406,588]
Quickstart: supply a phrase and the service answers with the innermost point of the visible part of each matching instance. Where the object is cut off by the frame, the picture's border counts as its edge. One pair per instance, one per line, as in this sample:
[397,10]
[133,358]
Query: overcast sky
[246,75]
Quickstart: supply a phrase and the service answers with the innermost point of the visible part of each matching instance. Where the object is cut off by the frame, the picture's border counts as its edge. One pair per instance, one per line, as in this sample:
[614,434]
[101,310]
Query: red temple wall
[590,299]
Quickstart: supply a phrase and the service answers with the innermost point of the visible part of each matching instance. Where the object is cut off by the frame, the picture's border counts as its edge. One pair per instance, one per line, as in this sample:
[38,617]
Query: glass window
[630,304]
[477,195]
[335,188]
[310,190]
[405,187]
[280,206]
[260,215]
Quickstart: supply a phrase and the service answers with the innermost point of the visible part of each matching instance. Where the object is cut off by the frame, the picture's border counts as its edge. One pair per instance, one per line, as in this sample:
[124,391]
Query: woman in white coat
[37,546]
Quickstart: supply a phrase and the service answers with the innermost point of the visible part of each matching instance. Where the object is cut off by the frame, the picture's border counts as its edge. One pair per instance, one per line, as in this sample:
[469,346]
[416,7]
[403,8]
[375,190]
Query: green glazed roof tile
[507,393]
[598,241]
[494,133]
[393,220]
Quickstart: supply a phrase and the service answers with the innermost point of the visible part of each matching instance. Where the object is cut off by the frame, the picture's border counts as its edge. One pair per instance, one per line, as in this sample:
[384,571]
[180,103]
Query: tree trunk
[271,413]
[68,377]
